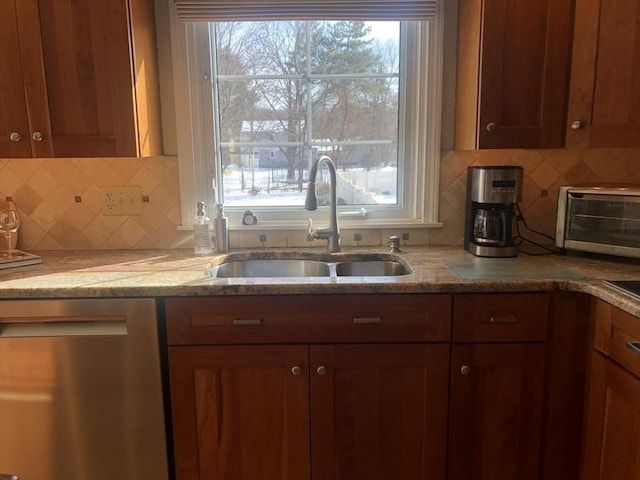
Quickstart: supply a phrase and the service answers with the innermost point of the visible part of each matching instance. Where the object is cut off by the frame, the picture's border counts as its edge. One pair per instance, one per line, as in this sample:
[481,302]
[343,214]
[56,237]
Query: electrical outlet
[405,236]
[122,201]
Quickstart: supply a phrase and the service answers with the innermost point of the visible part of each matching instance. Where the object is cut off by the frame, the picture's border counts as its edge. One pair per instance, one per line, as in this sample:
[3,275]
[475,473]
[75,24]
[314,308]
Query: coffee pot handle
[505,215]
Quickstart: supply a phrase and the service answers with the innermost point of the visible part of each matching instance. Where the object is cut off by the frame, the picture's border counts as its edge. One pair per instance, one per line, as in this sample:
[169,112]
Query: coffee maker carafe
[492,193]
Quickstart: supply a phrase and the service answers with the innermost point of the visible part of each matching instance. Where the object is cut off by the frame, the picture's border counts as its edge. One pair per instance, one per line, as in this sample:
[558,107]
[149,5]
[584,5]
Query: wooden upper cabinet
[513,68]
[604,100]
[14,125]
[84,73]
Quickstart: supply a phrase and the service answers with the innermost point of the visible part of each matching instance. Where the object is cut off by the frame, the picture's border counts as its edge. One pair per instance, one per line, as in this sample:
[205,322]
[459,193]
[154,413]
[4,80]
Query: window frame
[191,87]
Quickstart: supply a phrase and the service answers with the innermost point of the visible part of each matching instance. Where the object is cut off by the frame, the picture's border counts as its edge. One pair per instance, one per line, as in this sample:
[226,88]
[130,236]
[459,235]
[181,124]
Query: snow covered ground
[264,187]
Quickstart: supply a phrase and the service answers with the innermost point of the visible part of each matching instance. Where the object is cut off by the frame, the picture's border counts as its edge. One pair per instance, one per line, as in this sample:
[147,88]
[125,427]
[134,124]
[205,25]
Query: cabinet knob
[491,127]
[465,370]
[37,136]
[577,125]
[15,137]
[296,370]
[322,370]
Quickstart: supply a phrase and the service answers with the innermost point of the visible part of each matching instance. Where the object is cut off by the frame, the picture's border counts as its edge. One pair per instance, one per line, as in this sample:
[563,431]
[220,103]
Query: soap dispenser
[222,230]
[202,232]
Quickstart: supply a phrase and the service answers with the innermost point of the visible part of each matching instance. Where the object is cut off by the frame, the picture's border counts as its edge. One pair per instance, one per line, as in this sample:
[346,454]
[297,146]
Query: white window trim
[195,184]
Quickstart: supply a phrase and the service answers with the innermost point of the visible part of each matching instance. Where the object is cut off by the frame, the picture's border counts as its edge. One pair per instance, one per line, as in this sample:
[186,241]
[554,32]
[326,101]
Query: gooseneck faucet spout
[331,234]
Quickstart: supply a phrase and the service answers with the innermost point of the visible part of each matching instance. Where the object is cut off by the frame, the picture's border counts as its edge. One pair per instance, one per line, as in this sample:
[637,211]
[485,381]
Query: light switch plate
[122,200]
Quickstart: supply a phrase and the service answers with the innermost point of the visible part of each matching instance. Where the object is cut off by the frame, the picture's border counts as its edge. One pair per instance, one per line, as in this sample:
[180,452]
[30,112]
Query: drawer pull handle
[248,323]
[634,347]
[509,319]
[465,370]
[296,370]
[322,370]
[367,319]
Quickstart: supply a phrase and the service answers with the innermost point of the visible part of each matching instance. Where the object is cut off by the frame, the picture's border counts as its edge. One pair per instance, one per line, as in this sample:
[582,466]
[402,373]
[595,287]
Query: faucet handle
[312,230]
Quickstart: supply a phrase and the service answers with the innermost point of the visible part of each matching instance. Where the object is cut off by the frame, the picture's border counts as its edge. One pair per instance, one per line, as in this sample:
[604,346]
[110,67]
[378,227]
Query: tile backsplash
[61,200]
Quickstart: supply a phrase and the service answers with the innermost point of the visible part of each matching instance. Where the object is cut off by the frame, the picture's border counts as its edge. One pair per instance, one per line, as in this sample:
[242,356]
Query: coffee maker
[492,193]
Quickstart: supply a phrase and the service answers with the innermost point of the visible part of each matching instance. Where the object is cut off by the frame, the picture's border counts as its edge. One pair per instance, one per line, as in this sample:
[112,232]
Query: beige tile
[48,243]
[26,199]
[125,167]
[544,175]
[46,216]
[131,232]
[98,232]
[93,168]
[298,239]
[366,237]
[9,182]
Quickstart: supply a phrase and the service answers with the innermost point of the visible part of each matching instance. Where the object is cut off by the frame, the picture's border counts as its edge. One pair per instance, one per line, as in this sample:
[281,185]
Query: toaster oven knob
[577,125]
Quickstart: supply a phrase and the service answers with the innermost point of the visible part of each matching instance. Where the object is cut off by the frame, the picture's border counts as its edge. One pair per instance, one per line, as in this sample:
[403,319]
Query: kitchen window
[266,98]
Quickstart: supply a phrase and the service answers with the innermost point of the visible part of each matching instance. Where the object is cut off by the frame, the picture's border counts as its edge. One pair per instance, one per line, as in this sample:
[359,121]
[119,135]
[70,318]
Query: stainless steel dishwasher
[81,391]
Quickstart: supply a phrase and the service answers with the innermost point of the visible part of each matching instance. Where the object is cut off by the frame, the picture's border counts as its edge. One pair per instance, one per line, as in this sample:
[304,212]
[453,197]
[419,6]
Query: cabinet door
[497,393]
[513,68]
[85,69]
[14,125]
[605,78]
[612,432]
[240,412]
[378,412]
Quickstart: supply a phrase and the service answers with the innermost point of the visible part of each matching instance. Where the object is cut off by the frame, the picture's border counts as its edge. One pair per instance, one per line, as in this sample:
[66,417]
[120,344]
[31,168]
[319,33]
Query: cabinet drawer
[308,318]
[618,336]
[508,317]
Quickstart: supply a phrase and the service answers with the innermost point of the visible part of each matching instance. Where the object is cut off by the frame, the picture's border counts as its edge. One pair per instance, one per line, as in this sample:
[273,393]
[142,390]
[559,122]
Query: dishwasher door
[81,391]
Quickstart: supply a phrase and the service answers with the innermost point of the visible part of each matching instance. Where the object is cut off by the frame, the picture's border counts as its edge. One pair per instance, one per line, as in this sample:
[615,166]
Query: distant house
[274,131]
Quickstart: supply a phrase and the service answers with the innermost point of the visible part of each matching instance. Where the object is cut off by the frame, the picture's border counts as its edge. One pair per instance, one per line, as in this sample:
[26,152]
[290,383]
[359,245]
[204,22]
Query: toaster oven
[602,218]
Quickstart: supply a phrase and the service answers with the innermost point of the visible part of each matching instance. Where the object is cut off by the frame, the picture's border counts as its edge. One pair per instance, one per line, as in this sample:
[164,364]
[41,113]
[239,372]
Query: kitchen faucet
[331,234]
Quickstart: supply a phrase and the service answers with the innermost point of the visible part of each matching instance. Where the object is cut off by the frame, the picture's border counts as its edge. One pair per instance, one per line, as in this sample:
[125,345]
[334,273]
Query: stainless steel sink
[377,268]
[302,265]
[271,268]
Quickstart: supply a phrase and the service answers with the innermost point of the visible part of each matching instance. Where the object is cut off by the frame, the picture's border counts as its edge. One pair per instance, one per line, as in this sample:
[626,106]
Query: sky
[384,30]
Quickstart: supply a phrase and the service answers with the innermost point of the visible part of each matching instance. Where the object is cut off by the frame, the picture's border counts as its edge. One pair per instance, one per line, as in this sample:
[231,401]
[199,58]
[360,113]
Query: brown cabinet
[612,432]
[266,387]
[78,79]
[497,386]
[512,73]
[605,79]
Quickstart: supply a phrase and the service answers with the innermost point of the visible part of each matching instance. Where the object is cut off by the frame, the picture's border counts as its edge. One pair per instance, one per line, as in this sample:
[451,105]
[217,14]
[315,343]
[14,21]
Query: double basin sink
[302,265]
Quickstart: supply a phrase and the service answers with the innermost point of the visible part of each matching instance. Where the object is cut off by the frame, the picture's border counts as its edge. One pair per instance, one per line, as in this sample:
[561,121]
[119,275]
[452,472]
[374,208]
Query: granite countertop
[166,273]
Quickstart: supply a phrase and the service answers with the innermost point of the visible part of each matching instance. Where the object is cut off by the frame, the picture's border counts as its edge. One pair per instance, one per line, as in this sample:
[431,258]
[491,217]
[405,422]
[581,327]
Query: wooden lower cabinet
[497,398]
[240,412]
[612,435]
[393,387]
[498,366]
[379,411]
[611,447]
[325,412]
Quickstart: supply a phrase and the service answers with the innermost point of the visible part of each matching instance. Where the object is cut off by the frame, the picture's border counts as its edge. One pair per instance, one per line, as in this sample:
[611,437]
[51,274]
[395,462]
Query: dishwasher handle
[63,326]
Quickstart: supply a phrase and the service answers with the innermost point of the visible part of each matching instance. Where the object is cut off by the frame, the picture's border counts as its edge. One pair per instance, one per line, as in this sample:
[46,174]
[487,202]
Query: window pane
[288,92]
[362,109]
[261,111]
[259,176]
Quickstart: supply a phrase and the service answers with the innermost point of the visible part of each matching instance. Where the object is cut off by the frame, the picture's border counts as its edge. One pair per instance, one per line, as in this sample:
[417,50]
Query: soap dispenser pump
[201,231]
[222,230]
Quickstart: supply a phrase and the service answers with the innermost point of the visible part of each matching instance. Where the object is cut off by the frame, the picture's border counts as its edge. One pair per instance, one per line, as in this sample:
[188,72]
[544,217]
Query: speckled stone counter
[165,273]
